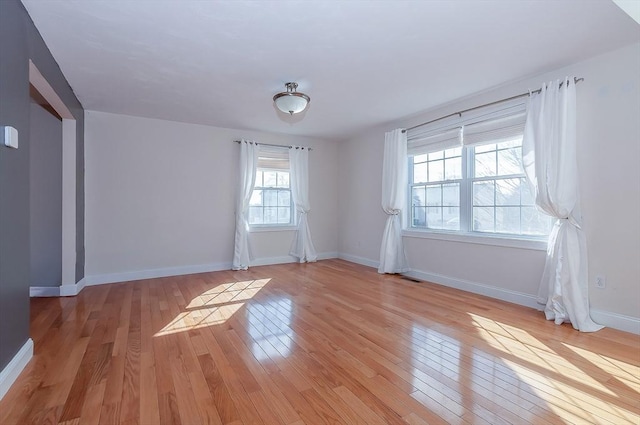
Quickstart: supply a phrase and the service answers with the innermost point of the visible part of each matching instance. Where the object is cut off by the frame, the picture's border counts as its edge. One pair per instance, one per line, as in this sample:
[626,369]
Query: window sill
[259,229]
[502,240]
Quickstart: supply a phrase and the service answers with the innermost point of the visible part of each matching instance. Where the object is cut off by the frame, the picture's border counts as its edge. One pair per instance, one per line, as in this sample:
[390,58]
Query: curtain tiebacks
[571,221]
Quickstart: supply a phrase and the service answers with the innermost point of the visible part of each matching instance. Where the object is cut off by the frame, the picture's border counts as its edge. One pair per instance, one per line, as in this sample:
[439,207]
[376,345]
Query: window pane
[452,152]
[420,173]
[453,168]
[418,197]
[509,162]
[508,192]
[270,179]
[485,164]
[283,179]
[270,198]
[434,195]
[436,155]
[485,148]
[256,198]
[255,215]
[483,193]
[258,178]
[270,215]
[526,196]
[434,218]
[451,195]
[511,143]
[535,222]
[508,219]
[451,218]
[284,215]
[284,198]
[420,158]
[436,171]
[483,219]
[419,217]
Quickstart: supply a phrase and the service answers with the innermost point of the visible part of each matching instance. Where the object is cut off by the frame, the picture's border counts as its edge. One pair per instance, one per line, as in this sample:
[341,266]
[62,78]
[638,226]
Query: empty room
[319,212]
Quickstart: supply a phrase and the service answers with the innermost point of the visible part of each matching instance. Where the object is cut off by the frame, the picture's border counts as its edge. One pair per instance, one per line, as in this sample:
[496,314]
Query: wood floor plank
[329,342]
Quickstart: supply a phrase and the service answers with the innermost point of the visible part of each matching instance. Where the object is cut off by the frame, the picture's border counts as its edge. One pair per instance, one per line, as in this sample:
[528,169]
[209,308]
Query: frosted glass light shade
[291,101]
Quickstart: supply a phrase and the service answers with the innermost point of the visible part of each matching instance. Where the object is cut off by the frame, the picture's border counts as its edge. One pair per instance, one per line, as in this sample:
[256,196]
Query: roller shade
[418,144]
[273,157]
[494,130]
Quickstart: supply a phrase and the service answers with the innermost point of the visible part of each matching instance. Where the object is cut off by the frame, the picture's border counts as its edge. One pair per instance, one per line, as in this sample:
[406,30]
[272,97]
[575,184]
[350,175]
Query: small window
[271,203]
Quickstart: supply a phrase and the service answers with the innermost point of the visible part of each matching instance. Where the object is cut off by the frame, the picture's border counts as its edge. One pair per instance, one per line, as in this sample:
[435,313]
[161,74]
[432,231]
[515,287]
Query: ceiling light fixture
[291,101]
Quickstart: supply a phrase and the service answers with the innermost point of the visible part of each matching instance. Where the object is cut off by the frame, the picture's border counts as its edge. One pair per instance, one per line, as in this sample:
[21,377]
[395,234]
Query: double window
[469,179]
[271,203]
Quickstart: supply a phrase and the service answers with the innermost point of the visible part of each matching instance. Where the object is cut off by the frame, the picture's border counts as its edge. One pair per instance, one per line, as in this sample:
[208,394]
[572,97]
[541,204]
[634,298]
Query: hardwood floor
[331,342]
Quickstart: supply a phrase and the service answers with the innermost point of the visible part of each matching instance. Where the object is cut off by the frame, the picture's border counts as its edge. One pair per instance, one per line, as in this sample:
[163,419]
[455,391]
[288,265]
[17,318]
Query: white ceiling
[362,62]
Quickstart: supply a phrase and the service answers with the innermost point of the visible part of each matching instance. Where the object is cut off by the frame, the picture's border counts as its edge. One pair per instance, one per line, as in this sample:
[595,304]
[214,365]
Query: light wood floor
[331,342]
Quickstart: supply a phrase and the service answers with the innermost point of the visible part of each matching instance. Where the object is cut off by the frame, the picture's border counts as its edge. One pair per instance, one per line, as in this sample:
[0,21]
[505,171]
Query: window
[476,188]
[502,200]
[271,203]
[435,189]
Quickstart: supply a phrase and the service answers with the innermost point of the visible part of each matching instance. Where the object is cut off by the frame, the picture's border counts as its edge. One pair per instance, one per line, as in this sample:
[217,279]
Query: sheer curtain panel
[394,188]
[246,181]
[302,246]
[549,159]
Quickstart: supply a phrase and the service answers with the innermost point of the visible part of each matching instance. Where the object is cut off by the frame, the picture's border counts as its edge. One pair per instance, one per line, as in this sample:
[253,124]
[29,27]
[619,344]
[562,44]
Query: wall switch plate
[11,137]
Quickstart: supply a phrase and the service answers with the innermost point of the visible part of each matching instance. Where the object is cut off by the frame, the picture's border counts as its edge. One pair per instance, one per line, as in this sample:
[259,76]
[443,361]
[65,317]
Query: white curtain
[246,181]
[394,188]
[549,159]
[302,246]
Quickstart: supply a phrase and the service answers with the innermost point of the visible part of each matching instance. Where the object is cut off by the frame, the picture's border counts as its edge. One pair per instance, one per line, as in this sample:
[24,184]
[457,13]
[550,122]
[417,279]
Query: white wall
[609,151]
[160,197]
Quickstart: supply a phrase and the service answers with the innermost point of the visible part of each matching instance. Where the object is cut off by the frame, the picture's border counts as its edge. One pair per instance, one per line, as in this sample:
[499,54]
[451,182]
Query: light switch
[11,137]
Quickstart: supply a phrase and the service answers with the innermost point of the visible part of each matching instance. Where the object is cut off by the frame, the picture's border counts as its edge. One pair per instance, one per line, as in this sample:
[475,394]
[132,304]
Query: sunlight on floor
[269,326]
[214,306]
[556,377]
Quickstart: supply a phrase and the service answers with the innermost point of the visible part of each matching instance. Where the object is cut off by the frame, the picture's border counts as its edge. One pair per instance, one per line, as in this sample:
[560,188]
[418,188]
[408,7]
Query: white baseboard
[184,270]
[616,321]
[358,260]
[478,288]
[154,273]
[285,259]
[44,291]
[11,372]
[57,291]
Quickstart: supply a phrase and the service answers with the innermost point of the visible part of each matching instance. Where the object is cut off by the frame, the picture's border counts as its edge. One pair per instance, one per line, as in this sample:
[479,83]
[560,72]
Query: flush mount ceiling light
[291,101]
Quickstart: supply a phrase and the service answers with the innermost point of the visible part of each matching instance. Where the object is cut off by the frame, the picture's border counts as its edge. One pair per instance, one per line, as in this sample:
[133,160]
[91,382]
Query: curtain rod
[576,80]
[277,146]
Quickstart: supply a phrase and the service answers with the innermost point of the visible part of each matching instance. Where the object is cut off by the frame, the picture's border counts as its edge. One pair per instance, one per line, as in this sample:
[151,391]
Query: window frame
[274,227]
[466,232]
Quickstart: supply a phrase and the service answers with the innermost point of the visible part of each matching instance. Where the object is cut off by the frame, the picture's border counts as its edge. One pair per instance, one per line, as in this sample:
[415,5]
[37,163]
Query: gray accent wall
[19,42]
[46,197]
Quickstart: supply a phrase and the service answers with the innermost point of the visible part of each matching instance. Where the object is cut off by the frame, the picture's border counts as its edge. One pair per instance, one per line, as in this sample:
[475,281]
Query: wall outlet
[601,282]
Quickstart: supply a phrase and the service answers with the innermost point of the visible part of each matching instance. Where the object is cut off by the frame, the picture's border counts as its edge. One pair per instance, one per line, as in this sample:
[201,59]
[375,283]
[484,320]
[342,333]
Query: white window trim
[276,227]
[258,228]
[522,242]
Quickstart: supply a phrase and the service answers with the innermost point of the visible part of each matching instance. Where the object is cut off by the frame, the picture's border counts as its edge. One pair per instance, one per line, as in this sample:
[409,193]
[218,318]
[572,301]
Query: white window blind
[419,143]
[273,157]
[492,124]
[496,130]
